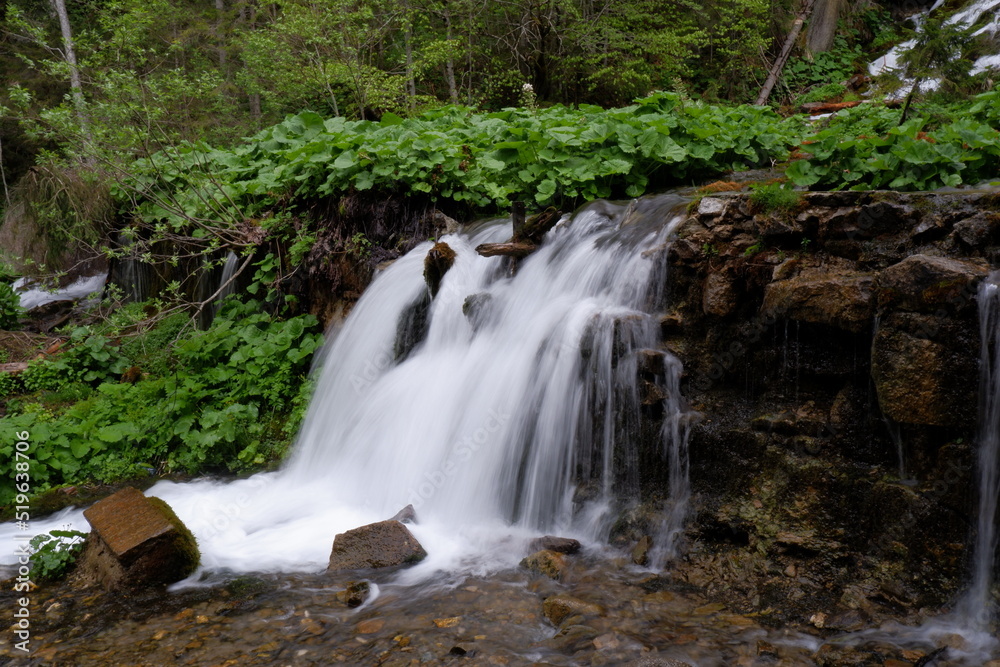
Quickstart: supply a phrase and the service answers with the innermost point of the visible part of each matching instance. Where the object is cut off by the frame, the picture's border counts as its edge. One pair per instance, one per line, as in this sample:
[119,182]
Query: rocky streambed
[601,611]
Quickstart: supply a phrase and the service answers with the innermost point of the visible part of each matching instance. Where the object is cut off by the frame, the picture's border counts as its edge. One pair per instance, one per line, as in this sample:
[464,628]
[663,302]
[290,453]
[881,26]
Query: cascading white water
[226,283]
[978,605]
[520,385]
[32,295]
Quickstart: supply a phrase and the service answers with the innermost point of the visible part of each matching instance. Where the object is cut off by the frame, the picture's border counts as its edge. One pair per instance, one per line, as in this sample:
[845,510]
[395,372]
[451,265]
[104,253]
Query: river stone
[563,545]
[922,283]
[842,299]
[383,544]
[552,564]
[439,259]
[560,607]
[136,542]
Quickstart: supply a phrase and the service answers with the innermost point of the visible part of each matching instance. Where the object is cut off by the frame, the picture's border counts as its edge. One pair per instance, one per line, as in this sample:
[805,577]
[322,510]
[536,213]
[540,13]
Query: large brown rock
[839,299]
[136,542]
[923,371]
[922,283]
[718,295]
[382,544]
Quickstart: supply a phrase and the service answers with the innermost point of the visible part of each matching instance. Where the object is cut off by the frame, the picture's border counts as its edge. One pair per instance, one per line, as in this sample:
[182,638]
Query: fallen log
[510,249]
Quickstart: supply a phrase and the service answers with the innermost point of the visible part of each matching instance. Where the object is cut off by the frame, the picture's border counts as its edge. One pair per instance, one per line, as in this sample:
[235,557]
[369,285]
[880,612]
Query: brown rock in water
[136,542]
[841,300]
[536,226]
[506,249]
[563,545]
[922,283]
[640,555]
[355,594]
[382,544]
[406,515]
[560,607]
[549,563]
[439,259]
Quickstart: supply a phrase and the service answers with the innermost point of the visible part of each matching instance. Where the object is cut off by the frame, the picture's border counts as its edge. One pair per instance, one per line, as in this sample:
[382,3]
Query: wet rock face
[382,544]
[136,542]
[835,362]
[842,300]
[927,284]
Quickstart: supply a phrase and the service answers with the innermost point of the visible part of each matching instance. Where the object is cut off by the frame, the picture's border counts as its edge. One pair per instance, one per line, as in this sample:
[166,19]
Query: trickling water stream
[979,606]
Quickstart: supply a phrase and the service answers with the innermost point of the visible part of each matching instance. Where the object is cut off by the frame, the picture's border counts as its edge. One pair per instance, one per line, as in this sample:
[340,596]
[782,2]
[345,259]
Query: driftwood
[827,107]
[506,249]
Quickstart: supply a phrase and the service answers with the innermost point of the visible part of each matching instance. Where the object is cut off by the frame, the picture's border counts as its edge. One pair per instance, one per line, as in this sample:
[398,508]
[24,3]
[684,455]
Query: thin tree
[69,55]
[786,50]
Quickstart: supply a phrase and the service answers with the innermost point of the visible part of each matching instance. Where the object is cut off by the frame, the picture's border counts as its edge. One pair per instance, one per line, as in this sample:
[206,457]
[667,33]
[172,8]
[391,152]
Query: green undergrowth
[160,400]
[554,156]
[563,155]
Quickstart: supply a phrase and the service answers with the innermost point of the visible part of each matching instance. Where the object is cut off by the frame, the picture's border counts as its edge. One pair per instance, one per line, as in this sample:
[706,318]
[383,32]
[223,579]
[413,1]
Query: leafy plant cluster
[228,398]
[53,553]
[863,149]
[10,307]
[556,155]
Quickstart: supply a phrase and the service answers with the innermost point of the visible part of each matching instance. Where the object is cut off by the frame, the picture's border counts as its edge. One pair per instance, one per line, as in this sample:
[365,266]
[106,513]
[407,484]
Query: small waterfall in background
[516,412]
[978,607]
[33,295]
[132,274]
[226,282]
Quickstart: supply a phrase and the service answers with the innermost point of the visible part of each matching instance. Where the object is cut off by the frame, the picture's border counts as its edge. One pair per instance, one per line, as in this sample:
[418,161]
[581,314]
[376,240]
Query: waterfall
[978,604]
[512,409]
[131,273]
[226,282]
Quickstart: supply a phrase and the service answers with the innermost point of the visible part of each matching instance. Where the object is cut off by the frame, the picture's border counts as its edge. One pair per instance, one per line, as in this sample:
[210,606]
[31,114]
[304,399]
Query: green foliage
[832,66]
[10,307]
[221,405]
[557,155]
[774,196]
[864,149]
[827,93]
[91,360]
[53,553]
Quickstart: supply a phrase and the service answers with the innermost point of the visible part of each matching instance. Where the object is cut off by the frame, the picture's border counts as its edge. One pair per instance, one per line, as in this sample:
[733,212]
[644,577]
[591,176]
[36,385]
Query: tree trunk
[786,50]
[76,87]
[449,64]
[220,7]
[411,85]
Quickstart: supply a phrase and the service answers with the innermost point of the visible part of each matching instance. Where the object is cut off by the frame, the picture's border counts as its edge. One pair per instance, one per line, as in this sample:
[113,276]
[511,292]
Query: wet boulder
[841,299]
[383,544]
[563,545]
[135,542]
[439,259]
[718,295]
[548,563]
[927,284]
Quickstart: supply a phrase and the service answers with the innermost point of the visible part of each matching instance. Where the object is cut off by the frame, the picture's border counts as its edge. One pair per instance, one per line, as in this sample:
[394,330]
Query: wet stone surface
[616,615]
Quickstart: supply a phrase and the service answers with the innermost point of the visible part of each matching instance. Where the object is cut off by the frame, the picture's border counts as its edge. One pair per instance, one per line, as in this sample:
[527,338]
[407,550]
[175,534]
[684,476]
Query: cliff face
[833,350]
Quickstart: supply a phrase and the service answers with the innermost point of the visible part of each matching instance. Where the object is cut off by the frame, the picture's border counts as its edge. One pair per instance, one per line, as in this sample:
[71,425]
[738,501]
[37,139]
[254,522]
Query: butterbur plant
[52,554]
